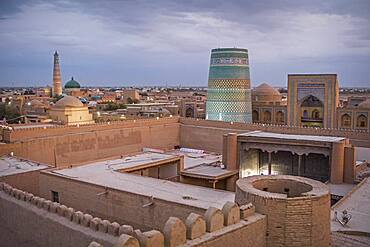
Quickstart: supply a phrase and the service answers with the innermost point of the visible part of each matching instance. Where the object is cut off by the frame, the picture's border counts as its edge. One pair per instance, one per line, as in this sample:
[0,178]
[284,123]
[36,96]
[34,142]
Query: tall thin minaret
[57,81]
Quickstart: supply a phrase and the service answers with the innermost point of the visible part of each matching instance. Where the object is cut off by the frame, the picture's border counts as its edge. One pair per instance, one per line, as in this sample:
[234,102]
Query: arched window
[361,121]
[267,116]
[315,114]
[189,112]
[305,114]
[311,101]
[255,116]
[346,120]
[280,117]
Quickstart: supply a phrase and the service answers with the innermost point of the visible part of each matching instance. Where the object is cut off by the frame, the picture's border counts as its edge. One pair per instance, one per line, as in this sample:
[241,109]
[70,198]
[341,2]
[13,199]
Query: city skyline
[146,44]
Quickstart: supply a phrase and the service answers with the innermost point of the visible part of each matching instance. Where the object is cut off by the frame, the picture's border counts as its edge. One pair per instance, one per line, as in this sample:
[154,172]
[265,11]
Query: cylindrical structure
[229,88]
[297,208]
[57,80]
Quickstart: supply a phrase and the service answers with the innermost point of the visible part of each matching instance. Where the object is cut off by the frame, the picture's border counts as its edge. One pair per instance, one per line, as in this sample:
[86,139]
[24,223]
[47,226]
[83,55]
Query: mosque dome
[266,93]
[69,101]
[365,104]
[72,84]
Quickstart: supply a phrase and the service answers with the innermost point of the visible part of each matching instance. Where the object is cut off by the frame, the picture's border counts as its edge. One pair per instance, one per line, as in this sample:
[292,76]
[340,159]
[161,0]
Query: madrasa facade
[312,101]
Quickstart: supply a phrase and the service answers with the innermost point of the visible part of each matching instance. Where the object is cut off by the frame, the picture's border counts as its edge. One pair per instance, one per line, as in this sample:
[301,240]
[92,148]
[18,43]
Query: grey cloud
[170,40]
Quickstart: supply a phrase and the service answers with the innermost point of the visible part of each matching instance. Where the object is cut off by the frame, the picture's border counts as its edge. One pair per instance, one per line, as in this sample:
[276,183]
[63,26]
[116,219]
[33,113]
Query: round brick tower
[297,208]
[57,81]
[229,89]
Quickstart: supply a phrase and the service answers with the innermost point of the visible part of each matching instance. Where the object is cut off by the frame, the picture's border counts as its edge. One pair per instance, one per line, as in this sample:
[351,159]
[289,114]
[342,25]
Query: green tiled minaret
[229,88]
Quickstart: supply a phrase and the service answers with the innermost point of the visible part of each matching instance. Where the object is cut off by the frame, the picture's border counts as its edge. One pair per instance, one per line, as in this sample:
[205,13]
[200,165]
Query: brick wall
[201,134]
[25,225]
[301,220]
[64,146]
[27,181]
[120,206]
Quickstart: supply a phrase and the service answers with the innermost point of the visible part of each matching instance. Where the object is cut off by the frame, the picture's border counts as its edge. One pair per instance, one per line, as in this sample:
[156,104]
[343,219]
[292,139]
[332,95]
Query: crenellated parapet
[77,217]
[197,230]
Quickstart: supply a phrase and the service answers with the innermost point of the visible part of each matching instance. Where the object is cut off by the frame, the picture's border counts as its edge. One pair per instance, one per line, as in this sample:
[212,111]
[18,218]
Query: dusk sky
[120,43]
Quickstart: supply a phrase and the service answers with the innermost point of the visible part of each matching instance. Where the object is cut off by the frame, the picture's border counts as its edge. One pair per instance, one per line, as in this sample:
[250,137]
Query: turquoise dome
[72,84]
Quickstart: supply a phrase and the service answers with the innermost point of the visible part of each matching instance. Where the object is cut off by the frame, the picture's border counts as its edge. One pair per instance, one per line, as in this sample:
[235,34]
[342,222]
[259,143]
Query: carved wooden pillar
[269,163]
[299,164]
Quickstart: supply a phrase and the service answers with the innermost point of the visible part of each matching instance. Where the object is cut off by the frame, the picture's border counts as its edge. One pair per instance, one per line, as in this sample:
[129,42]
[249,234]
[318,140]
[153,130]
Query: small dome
[266,93]
[69,101]
[365,104]
[266,89]
[72,84]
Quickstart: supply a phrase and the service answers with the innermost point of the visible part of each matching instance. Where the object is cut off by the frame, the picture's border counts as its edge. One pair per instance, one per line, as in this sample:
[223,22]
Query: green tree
[8,112]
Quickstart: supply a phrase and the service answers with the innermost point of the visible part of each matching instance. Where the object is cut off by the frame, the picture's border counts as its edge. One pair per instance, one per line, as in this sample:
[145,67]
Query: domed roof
[365,104]
[69,101]
[266,89]
[72,84]
[264,93]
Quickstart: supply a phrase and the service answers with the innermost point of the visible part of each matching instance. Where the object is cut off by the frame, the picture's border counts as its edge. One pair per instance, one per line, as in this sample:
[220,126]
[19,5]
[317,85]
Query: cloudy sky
[163,42]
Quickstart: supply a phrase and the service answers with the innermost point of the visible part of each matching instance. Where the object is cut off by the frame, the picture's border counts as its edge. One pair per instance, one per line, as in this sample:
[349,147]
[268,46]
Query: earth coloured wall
[63,146]
[24,224]
[121,206]
[208,135]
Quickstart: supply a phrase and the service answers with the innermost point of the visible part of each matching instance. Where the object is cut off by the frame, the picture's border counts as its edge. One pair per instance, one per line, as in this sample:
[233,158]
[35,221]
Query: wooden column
[299,164]
[269,164]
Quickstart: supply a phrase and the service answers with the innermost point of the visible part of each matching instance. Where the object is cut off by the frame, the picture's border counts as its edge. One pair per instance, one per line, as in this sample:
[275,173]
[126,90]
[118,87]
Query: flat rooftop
[208,172]
[196,159]
[357,204]
[105,173]
[11,165]
[340,189]
[263,134]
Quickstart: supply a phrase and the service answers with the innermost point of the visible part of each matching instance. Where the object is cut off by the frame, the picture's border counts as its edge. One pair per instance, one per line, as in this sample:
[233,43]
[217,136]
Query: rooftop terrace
[263,134]
[13,165]
[356,202]
[106,173]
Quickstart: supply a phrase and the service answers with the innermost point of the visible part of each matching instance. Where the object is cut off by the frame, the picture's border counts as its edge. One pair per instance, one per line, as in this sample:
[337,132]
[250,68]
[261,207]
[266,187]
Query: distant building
[73,88]
[44,92]
[229,93]
[191,108]
[313,100]
[57,81]
[151,110]
[129,96]
[268,105]
[355,115]
[70,111]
